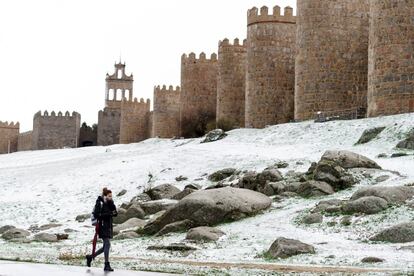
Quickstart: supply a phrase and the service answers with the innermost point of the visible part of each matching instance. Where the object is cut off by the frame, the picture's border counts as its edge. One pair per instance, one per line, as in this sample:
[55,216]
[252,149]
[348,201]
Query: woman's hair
[106,191]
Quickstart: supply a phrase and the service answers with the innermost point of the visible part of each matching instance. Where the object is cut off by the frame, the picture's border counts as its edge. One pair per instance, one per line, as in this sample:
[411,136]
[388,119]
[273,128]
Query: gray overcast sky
[55,53]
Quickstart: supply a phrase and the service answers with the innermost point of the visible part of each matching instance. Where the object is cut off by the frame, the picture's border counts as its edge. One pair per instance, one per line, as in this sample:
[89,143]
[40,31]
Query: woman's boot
[108,267]
[89,259]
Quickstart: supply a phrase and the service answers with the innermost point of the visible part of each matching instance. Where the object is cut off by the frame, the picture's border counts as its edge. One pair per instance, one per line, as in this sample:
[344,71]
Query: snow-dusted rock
[399,233]
[214,135]
[210,207]
[221,174]
[173,247]
[285,248]
[349,160]
[407,143]
[369,134]
[6,228]
[312,218]
[314,188]
[15,233]
[130,224]
[155,206]
[365,205]
[183,194]
[178,226]
[126,235]
[333,174]
[204,233]
[165,191]
[372,260]
[45,237]
[83,217]
[393,195]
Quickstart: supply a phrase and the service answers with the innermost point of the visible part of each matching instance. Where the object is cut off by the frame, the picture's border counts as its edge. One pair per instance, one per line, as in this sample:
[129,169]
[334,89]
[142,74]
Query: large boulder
[45,237]
[155,206]
[131,224]
[221,174]
[314,188]
[285,248]
[260,182]
[369,134]
[399,233]
[134,211]
[210,207]
[365,205]
[269,175]
[393,195]
[214,135]
[83,217]
[333,174]
[15,233]
[204,234]
[349,160]
[165,191]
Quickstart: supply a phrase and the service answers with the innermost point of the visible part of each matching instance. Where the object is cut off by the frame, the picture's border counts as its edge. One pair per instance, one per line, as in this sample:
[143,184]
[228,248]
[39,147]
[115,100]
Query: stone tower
[55,131]
[391,57]
[9,133]
[231,83]
[166,115]
[271,67]
[198,99]
[332,58]
[124,119]
[118,86]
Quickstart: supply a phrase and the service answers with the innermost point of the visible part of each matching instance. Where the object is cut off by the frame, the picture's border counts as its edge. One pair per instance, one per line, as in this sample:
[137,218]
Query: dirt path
[287,268]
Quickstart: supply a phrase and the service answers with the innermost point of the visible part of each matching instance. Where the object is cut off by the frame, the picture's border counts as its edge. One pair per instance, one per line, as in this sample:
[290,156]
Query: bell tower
[119,86]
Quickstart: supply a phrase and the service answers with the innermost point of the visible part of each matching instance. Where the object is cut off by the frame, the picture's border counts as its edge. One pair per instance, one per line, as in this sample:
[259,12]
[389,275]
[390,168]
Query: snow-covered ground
[57,185]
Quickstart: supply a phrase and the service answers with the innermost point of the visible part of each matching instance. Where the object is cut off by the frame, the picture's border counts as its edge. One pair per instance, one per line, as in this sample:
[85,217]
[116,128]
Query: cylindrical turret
[271,67]
[391,57]
[231,84]
[332,57]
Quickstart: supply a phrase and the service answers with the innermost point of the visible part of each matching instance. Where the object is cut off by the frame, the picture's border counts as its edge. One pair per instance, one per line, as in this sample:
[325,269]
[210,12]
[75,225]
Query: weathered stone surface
[178,226]
[126,235]
[153,207]
[143,197]
[348,160]
[210,207]
[399,233]
[181,178]
[393,195]
[312,218]
[249,181]
[285,248]
[372,260]
[134,211]
[132,223]
[15,233]
[221,174]
[365,205]
[6,228]
[407,143]
[165,191]
[322,206]
[333,174]
[173,247]
[45,237]
[204,233]
[314,188]
[183,194]
[214,135]
[166,114]
[122,192]
[369,135]
[269,175]
[82,218]
[62,237]
[193,186]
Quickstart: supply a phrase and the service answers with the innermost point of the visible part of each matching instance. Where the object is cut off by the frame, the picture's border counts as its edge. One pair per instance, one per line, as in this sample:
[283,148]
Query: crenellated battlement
[163,90]
[136,104]
[192,58]
[60,114]
[109,113]
[236,43]
[10,125]
[254,16]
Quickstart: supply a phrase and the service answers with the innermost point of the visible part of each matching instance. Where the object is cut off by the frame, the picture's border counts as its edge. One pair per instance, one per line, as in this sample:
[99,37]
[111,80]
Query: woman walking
[104,211]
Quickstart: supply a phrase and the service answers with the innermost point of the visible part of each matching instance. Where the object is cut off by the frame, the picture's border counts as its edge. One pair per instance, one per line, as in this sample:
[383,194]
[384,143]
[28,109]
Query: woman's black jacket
[104,211]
